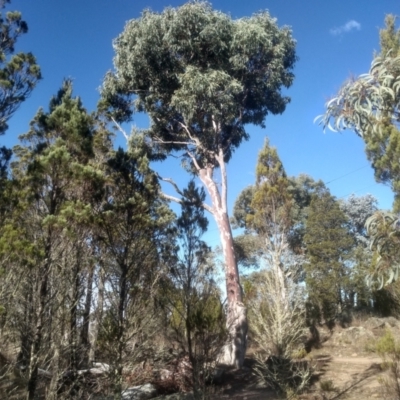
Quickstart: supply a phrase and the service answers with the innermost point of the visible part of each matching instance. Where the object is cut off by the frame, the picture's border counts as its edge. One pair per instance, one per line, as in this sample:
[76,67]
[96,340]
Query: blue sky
[335,39]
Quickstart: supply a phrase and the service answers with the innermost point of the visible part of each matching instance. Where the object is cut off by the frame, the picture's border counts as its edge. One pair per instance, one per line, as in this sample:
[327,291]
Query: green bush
[389,349]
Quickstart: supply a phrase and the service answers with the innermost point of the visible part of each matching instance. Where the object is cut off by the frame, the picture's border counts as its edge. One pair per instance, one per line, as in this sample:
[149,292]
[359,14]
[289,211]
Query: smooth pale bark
[233,353]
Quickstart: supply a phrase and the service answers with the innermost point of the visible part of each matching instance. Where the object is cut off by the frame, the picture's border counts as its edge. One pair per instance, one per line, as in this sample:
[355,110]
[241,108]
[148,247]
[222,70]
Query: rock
[166,374]
[355,334]
[391,322]
[373,323]
[142,392]
[101,366]
[176,396]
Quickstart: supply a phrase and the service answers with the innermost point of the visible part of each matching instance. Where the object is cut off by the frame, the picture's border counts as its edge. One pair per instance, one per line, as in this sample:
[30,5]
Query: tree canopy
[19,73]
[200,76]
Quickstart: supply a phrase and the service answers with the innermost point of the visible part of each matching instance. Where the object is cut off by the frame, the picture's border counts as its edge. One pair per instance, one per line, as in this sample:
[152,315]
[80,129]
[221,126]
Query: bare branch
[196,140]
[171,182]
[179,201]
[171,198]
[193,158]
[158,140]
[120,128]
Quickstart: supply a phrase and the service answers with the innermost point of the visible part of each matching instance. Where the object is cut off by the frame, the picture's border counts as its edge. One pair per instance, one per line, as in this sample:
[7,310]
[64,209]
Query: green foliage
[19,73]
[383,228]
[196,306]
[297,191]
[327,386]
[200,76]
[264,210]
[191,296]
[271,202]
[328,245]
[369,105]
[389,37]
[388,349]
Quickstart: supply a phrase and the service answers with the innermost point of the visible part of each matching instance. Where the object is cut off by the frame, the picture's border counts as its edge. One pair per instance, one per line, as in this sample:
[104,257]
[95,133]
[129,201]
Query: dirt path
[353,377]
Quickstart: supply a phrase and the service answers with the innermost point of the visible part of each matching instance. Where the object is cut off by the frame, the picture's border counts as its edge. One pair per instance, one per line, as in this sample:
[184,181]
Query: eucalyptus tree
[384,230]
[202,77]
[369,105]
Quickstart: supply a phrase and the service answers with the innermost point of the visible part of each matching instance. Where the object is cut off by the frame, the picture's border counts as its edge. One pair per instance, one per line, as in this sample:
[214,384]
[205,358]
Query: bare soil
[345,366]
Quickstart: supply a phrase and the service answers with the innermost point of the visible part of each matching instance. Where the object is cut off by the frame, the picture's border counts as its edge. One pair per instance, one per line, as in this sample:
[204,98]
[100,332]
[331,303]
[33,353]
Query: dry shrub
[277,321]
[389,349]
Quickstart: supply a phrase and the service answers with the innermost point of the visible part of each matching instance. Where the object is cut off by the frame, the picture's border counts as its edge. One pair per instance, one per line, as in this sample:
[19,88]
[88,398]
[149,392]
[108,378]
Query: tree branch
[176,199]
[120,128]
[196,140]
[171,182]
[158,140]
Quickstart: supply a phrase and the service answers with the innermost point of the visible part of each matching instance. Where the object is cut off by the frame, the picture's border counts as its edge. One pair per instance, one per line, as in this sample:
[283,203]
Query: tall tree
[272,207]
[369,105]
[132,222]
[201,77]
[328,245]
[51,175]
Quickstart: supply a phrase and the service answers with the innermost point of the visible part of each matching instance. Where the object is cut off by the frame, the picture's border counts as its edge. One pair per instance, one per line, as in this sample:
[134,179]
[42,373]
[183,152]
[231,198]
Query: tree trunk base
[233,352]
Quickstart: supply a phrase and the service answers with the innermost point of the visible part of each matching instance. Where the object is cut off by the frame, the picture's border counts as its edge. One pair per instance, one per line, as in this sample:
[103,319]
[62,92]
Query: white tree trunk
[233,353]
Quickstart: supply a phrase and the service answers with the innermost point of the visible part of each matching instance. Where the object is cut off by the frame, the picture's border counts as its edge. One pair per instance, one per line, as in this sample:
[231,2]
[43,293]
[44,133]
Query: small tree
[196,311]
[131,224]
[201,77]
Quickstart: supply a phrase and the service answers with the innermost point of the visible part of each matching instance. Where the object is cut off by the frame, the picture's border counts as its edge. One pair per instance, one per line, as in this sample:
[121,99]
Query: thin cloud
[347,27]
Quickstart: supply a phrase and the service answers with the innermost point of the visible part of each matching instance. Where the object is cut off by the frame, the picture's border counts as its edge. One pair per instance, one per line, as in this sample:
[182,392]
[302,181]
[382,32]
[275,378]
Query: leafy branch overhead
[384,230]
[370,105]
